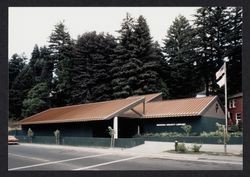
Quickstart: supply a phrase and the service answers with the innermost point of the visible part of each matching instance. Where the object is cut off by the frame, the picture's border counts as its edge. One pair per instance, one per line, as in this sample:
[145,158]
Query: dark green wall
[66,129]
[199,124]
[83,141]
[127,128]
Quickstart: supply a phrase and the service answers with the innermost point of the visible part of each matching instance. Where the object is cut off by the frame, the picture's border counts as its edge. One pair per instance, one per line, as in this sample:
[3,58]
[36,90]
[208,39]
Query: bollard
[175,145]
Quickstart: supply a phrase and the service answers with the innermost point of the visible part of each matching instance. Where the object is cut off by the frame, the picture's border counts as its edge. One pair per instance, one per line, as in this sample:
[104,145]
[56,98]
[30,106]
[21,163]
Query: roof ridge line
[209,103]
[89,103]
[184,99]
[157,94]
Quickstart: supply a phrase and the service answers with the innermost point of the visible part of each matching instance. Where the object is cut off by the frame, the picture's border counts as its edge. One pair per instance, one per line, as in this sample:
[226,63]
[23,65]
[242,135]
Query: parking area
[28,157]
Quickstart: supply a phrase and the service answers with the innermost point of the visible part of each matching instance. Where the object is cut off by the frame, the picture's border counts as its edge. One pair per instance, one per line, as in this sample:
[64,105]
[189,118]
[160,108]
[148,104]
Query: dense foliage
[98,67]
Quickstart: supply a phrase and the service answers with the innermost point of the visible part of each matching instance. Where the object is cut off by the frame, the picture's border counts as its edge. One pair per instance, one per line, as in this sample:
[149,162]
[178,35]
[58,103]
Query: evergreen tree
[135,68]
[101,67]
[48,67]
[163,70]
[82,80]
[91,78]
[212,33]
[149,80]
[180,54]
[16,65]
[18,92]
[34,56]
[234,50]
[36,100]
[36,64]
[126,81]
[61,47]
[119,81]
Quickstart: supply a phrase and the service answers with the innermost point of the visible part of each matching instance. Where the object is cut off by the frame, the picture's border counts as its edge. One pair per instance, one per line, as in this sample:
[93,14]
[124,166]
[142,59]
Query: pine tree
[101,67]
[119,81]
[61,47]
[212,32]
[34,56]
[180,54]
[18,92]
[91,73]
[149,80]
[234,50]
[126,80]
[16,65]
[163,70]
[36,64]
[48,66]
[82,81]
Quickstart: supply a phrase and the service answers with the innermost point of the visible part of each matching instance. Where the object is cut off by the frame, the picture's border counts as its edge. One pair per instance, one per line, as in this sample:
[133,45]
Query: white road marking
[223,162]
[107,163]
[60,161]
[32,158]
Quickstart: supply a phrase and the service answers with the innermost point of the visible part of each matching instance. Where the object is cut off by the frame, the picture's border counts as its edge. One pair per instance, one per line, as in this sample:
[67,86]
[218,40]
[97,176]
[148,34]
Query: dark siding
[127,128]
[100,128]
[198,124]
[66,129]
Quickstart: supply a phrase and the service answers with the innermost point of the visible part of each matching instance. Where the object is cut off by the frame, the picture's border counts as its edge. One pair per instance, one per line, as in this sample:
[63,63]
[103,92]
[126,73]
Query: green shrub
[163,134]
[236,134]
[30,133]
[196,147]
[218,133]
[234,128]
[209,134]
[181,147]
[240,125]
[187,129]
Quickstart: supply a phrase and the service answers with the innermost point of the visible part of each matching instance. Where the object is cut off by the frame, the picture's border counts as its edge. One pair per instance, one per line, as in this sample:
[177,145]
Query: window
[238,118]
[232,103]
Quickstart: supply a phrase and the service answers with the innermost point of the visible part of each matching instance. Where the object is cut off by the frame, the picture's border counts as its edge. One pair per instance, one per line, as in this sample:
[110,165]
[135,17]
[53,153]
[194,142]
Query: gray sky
[33,25]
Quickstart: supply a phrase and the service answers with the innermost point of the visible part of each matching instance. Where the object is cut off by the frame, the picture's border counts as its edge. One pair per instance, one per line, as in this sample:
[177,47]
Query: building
[235,108]
[128,117]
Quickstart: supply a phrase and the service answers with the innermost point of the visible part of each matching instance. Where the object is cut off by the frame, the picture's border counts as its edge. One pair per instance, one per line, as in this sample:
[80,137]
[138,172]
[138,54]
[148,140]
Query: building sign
[170,125]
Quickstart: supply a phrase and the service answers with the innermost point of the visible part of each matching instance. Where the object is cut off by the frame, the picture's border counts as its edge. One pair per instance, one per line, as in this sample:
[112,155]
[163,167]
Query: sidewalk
[159,147]
[161,150]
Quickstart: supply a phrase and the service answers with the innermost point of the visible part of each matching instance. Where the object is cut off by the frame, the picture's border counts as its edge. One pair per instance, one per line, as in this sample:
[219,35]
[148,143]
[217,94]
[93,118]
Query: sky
[33,25]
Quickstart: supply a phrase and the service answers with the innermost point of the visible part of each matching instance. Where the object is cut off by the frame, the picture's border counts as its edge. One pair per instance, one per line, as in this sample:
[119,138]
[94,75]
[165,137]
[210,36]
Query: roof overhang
[110,116]
[128,107]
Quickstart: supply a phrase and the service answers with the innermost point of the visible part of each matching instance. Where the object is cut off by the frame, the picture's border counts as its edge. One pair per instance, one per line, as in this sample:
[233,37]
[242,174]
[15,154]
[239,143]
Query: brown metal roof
[148,97]
[172,108]
[83,112]
[130,107]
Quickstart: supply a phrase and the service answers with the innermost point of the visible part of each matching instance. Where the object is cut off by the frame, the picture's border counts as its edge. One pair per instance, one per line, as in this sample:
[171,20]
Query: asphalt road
[23,157]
